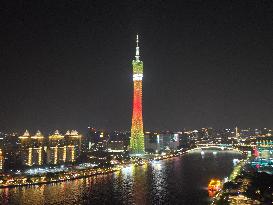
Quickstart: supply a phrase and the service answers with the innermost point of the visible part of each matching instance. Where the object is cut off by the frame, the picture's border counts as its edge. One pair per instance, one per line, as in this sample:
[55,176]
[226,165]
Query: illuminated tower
[137,135]
[237,133]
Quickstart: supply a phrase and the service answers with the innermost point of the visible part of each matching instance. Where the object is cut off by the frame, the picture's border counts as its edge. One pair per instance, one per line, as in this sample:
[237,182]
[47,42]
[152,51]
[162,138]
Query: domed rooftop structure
[56,135]
[74,132]
[25,135]
[38,135]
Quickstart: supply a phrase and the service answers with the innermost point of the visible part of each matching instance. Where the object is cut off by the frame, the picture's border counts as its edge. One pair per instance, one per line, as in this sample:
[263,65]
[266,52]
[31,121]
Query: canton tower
[137,135]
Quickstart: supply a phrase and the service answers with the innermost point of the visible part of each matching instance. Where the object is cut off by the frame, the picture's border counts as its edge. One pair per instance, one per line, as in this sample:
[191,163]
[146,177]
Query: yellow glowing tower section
[1,160]
[137,135]
[30,156]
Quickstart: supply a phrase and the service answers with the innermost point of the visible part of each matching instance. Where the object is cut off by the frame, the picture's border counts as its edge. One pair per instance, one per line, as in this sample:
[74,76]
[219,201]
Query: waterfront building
[184,140]
[36,150]
[174,142]
[265,146]
[56,149]
[72,145]
[1,161]
[1,153]
[150,141]
[137,135]
[167,141]
[25,149]
[11,152]
[161,142]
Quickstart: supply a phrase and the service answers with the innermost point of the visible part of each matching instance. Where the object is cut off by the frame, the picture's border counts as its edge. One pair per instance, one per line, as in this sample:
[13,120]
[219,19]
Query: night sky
[67,64]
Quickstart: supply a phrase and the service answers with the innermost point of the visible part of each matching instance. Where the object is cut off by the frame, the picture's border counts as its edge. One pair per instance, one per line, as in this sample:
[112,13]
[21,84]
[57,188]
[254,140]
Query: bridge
[219,147]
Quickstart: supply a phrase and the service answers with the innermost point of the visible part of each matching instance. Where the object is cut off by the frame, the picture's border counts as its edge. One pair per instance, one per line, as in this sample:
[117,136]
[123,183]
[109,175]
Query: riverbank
[178,180]
[9,181]
[220,197]
[25,180]
[247,185]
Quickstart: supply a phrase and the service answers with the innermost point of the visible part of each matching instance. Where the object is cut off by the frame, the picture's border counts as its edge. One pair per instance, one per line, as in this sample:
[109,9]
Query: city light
[195,128]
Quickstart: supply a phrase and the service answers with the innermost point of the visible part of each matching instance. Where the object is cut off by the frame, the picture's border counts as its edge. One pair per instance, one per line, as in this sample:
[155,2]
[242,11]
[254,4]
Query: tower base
[136,155]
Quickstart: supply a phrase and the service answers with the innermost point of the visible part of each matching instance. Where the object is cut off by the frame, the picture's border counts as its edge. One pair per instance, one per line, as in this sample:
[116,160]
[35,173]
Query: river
[181,180]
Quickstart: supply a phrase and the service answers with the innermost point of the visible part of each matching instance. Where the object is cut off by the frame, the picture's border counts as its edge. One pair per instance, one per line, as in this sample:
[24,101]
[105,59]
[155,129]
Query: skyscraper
[137,135]
[25,149]
[37,151]
[56,149]
[73,145]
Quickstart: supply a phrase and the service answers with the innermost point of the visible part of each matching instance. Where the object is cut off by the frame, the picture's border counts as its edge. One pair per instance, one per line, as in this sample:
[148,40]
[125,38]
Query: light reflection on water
[174,181]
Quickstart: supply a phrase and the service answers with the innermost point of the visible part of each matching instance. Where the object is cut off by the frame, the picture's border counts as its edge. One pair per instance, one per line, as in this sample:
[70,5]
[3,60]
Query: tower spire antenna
[137,48]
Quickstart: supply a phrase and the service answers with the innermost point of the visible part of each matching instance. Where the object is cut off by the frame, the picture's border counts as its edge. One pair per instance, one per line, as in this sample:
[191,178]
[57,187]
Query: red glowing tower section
[137,135]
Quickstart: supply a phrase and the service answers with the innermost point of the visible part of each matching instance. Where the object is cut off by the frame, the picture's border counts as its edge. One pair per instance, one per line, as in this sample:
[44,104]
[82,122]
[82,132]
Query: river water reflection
[182,180]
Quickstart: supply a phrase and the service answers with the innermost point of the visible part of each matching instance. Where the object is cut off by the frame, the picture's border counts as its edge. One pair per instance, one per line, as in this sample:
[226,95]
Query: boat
[214,186]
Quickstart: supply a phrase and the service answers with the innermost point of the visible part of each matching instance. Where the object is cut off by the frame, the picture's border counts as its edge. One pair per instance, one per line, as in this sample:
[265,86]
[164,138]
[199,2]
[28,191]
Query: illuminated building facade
[73,145]
[31,149]
[36,149]
[63,148]
[56,149]
[161,142]
[265,146]
[137,135]
[1,160]
[25,149]
[1,154]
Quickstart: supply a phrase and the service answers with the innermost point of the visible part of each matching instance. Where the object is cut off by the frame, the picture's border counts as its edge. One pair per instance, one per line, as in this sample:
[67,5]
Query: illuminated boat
[214,186]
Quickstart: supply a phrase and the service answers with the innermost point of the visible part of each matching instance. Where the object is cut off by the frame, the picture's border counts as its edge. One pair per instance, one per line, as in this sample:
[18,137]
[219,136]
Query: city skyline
[69,67]
[82,121]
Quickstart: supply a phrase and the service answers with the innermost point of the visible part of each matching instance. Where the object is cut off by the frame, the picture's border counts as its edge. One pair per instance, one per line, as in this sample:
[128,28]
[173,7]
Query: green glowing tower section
[137,135]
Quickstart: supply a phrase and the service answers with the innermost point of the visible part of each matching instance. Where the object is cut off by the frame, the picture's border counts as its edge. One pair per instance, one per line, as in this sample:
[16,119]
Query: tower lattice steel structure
[137,135]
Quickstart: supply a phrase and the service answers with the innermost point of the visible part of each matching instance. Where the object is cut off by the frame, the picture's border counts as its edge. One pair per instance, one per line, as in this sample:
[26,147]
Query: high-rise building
[237,133]
[36,149]
[1,154]
[11,152]
[96,140]
[72,145]
[137,135]
[117,142]
[265,146]
[56,149]
[161,142]
[1,160]
[25,149]
[150,141]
